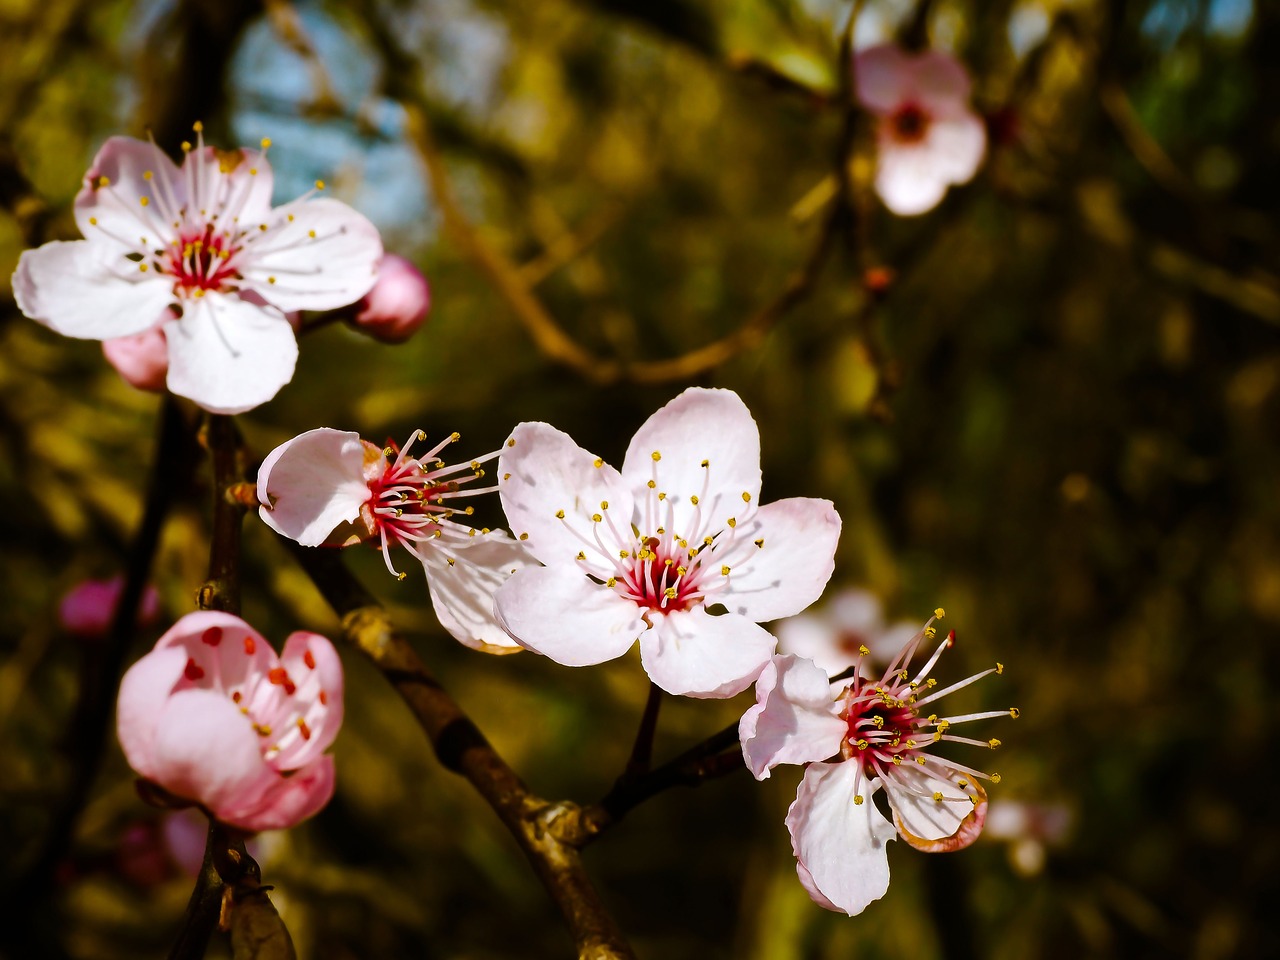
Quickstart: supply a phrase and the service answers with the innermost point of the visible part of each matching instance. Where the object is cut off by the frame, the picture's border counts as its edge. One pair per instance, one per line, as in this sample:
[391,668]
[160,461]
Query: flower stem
[642,751]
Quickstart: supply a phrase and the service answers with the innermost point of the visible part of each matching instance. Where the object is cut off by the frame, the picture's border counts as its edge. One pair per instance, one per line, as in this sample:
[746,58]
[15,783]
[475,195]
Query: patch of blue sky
[1229,18]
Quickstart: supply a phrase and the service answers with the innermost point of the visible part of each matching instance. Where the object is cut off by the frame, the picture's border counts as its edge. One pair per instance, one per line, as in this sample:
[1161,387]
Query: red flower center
[909,123]
[200,261]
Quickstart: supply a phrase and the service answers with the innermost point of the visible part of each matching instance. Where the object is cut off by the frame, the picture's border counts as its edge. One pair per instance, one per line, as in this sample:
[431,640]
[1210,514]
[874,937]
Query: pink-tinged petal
[887,644]
[229,355]
[956,147]
[840,843]
[144,692]
[142,360]
[88,608]
[883,77]
[694,654]
[560,613]
[314,668]
[240,181]
[550,474]
[289,800]
[223,652]
[309,485]
[793,719]
[462,592]
[934,814]
[398,303]
[318,254]
[88,291]
[112,214]
[791,568]
[185,833]
[818,639]
[207,751]
[907,179]
[699,425]
[940,82]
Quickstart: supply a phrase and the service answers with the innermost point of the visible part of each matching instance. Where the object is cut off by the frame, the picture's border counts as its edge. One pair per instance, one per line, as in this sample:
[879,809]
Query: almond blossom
[876,735]
[398,303]
[199,249]
[328,486]
[655,550]
[87,608]
[927,138]
[834,635]
[212,716]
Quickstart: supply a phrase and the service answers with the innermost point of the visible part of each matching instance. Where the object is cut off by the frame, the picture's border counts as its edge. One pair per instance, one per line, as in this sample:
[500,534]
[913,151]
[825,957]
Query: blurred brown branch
[462,748]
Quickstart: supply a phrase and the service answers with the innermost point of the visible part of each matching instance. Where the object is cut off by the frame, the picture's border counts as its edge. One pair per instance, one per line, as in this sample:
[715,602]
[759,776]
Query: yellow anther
[581,555]
[937,795]
[920,760]
[599,462]
[667,562]
[142,267]
[694,499]
[939,613]
[732,522]
[857,799]
[310,233]
[937,736]
[1015,712]
[862,649]
[706,463]
[612,582]
[197,126]
[469,511]
[271,279]
[449,560]
[746,497]
[144,200]
[506,476]
[708,541]
[253,171]
[401,576]
[186,146]
[963,782]
[147,174]
[993,743]
[897,760]
[559,514]
[266,143]
[652,485]
[263,729]
[931,683]
[624,554]
[604,504]
[93,221]
[995,778]
[104,181]
[878,721]
[911,743]
[662,496]
[760,542]
[670,593]
[319,184]
[656,456]
[724,571]
[596,517]
[999,668]
[511,441]
[930,632]
[862,744]
[681,571]
[523,536]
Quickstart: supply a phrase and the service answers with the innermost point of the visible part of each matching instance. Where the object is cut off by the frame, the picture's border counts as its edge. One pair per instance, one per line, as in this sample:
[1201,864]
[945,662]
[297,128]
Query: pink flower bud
[213,716]
[398,303]
[142,360]
[86,610]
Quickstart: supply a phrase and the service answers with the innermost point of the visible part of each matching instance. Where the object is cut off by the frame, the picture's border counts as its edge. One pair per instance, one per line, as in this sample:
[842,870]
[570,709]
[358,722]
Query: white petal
[839,843]
[87,290]
[883,77]
[462,593]
[911,791]
[112,213]
[817,638]
[794,717]
[956,147]
[558,612]
[699,425]
[908,178]
[325,257]
[229,355]
[791,569]
[312,483]
[693,654]
[549,473]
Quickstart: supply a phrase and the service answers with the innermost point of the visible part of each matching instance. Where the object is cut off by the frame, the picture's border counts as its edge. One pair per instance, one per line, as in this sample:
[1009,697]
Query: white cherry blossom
[833,635]
[675,549]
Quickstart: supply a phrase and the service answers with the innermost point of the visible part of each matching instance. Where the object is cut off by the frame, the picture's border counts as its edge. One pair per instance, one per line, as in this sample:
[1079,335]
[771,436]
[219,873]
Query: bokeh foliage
[1059,422]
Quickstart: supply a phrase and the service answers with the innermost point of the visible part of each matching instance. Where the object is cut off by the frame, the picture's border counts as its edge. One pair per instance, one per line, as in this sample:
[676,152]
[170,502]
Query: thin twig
[221,591]
[642,750]
[462,748]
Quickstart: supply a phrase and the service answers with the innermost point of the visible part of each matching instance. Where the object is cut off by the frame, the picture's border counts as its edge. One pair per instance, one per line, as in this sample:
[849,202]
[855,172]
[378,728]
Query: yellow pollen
[506,476]
[995,778]
[319,184]
[724,571]
[581,555]
[999,668]
[144,200]
[599,462]
[104,181]
[198,294]
[732,522]
[612,582]
[937,795]
[401,576]
[559,514]
[760,542]
[271,279]
[930,632]
[746,497]
[198,127]
[511,442]
[656,456]
[449,560]
[266,143]
[694,500]
[146,174]
[93,221]
[681,571]
[931,683]
[1015,712]
[862,649]
[670,593]
[596,517]
[291,218]
[652,484]
[897,760]
[186,146]
[263,729]
[857,799]
[604,504]
[469,511]
[939,613]
[523,536]
[993,743]
[862,744]
[142,267]
[623,554]
[253,171]
[662,496]
[310,233]
[920,760]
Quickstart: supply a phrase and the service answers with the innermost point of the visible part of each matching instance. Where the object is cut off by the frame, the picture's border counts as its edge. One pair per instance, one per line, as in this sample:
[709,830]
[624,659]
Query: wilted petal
[558,612]
[693,654]
[795,559]
[462,592]
[840,841]
[793,719]
[309,485]
[229,355]
[930,824]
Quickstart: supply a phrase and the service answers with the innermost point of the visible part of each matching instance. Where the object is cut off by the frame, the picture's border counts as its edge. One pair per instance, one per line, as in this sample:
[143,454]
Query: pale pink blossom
[212,716]
[141,359]
[1028,829]
[87,608]
[200,250]
[927,138]
[330,487]
[652,552]
[398,303]
[835,635]
[876,734]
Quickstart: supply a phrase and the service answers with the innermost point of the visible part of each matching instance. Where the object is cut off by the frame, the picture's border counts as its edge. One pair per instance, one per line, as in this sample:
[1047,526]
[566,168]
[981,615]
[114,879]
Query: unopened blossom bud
[142,359]
[87,608]
[214,717]
[398,303]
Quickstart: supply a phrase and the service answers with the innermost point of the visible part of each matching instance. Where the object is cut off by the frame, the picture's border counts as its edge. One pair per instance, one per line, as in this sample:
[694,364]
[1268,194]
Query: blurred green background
[1059,422]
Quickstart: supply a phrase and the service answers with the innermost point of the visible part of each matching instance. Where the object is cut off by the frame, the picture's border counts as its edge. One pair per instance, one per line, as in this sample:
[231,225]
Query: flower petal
[940,81]
[229,355]
[144,691]
[309,485]
[110,213]
[700,425]
[80,289]
[544,473]
[793,719]
[840,845]
[313,665]
[462,592]
[883,77]
[908,179]
[928,809]
[560,613]
[956,147]
[205,750]
[791,568]
[693,654]
[317,254]
[289,800]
